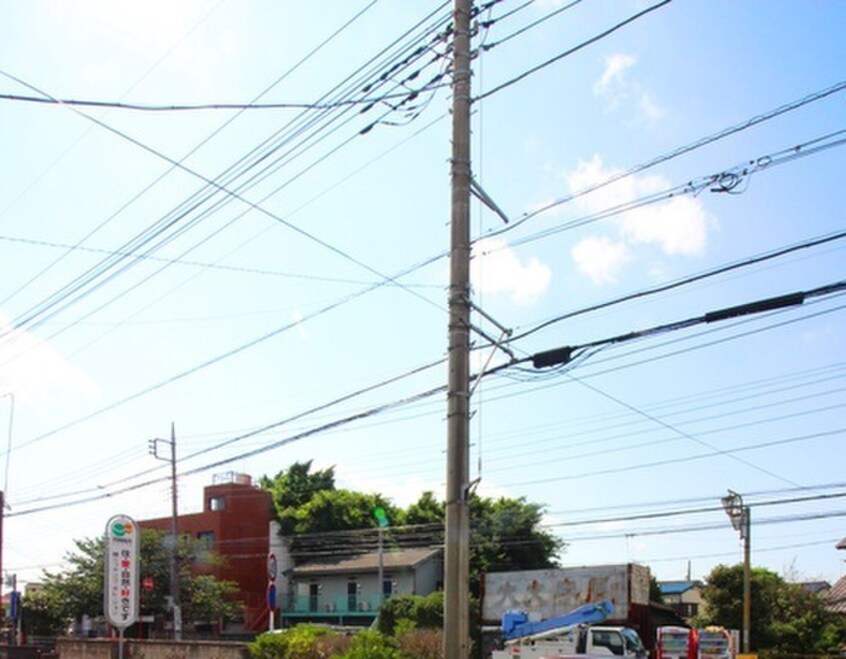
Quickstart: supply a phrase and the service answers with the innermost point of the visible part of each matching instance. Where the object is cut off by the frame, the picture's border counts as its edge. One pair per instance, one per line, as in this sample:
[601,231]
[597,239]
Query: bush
[300,642]
[422,612]
[421,643]
[369,644]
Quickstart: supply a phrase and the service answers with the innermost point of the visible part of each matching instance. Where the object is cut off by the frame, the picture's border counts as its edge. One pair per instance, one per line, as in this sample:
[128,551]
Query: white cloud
[612,85]
[618,90]
[678,226]
[599,258]
[33,368]
[401,491]
[495,268]
[649,108]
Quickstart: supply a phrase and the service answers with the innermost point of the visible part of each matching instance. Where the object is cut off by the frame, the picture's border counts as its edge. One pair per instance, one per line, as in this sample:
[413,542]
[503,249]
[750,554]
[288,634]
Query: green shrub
[422,612]
[300,642]
[421,643]
[369,644]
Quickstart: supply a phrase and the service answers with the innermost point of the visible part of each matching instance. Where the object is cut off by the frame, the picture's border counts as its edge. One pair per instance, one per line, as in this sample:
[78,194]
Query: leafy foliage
[785,617]
[506,533]
[294,487]
[655,594]
[420,611]
[370,644]
[319,642]
[42,614]
[78,591]
[341,510]
[211,599]
[300,642]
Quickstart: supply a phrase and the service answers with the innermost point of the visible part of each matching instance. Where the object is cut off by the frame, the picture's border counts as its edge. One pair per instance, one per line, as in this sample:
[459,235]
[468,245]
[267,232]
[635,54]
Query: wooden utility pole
[457,531]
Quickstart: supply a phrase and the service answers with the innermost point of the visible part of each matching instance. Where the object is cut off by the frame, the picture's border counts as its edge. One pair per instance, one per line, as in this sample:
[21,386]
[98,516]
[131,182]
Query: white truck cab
[580,642]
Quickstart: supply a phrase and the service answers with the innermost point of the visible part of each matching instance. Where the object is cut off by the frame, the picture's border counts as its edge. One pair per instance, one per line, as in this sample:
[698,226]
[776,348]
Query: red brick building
[235,524]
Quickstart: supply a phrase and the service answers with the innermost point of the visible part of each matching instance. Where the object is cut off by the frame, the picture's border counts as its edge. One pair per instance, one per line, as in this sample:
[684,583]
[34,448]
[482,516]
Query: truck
[549,593]
[574,634]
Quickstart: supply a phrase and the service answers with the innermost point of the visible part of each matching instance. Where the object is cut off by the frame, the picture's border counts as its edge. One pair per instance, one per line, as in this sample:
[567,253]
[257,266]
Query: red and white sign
[122,570]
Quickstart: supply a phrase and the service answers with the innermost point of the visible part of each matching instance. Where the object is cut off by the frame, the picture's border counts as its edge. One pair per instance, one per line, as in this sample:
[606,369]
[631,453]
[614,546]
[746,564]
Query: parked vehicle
[571,635]
[547,594]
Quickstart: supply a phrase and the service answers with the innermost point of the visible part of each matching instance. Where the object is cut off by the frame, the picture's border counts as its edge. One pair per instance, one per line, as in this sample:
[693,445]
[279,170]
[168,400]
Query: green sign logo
[121,529]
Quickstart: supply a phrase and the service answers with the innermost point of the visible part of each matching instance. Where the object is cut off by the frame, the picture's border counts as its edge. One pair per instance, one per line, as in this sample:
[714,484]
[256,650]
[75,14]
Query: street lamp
[740,518]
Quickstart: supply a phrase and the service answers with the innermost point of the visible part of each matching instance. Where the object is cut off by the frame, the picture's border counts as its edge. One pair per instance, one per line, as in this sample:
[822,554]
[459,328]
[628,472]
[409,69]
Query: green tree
[210,599]
[41,614]
[506,535]
[426,510]
[785,617]
[724,594]
[78,590]
[655,594]
[295,486]
[802,624]
[342,510]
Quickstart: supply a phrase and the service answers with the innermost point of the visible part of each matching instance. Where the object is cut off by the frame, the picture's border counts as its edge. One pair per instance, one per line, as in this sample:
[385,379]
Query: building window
[387,588]
[206,539]
[352,596]
[217,503]
[313,597]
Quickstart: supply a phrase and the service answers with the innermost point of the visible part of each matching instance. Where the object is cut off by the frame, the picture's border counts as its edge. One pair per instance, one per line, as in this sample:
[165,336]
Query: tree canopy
[505,534]
[786,618]
[68,595]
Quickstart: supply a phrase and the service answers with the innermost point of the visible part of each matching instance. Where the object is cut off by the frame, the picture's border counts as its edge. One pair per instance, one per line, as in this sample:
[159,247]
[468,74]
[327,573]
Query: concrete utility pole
[457,529]
[174,530]
[11,398]
[741,521]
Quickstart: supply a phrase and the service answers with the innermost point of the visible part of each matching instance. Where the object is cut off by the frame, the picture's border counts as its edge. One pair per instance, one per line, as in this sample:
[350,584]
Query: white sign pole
[121,587]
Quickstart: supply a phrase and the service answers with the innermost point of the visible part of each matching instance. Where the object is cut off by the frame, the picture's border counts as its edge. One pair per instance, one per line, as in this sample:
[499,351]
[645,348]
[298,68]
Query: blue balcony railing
[320,605]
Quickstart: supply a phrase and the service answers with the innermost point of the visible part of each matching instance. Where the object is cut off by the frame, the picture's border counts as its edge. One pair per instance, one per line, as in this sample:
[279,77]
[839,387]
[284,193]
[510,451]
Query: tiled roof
[836,598]
[677,587]
[815,586]
[391,560]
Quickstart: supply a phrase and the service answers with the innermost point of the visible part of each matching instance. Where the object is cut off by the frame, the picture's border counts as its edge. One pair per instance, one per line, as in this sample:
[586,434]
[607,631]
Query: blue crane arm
[515,624]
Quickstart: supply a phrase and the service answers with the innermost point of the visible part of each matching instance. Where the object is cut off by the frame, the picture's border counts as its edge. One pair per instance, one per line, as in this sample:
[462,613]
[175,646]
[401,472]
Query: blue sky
[261,310]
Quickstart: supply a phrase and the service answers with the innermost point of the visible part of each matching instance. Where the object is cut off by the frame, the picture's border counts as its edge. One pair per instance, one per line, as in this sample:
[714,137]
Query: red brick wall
[240,537]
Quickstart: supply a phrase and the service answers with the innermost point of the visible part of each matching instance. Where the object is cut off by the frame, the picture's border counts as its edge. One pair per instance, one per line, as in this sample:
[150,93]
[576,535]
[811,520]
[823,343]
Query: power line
[570,51]
[194,264]
[726,181]
[217,187]
[692,146]
[684,459]
[214,133]
[566,353]
[150,107]
[526,28]
[684,281]
[311,122]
